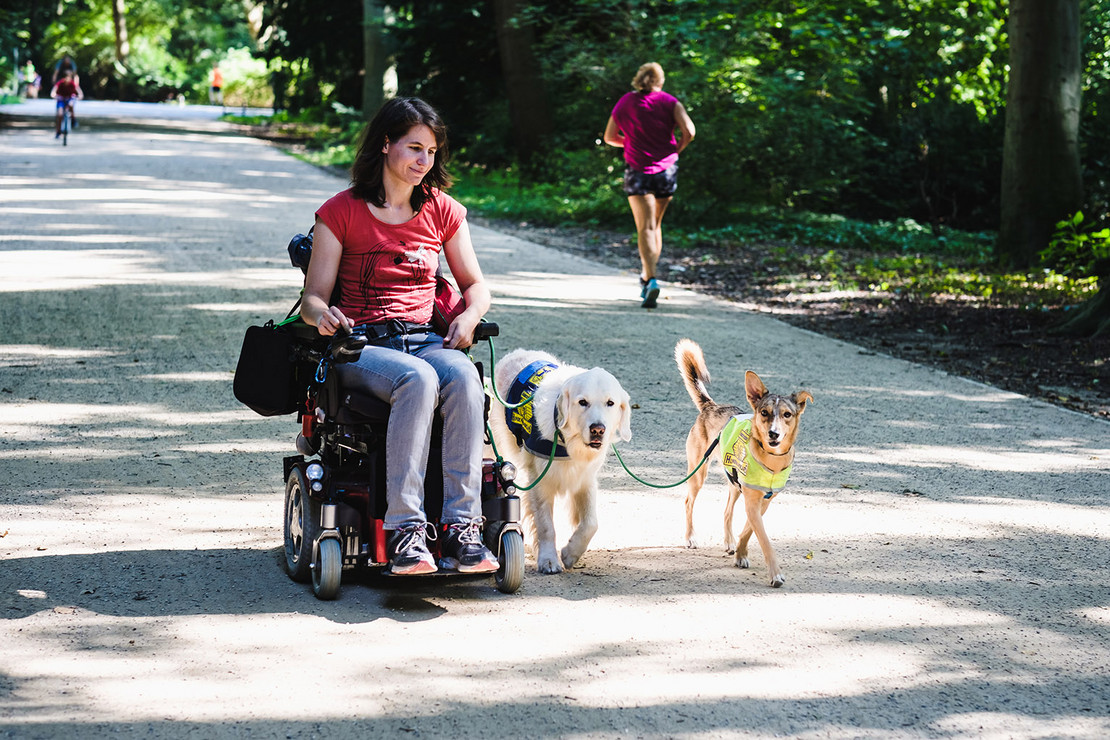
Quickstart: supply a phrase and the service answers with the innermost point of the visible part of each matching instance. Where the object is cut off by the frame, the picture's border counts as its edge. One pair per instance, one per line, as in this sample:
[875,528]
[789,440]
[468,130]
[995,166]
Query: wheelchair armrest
[346,347]
[485,330]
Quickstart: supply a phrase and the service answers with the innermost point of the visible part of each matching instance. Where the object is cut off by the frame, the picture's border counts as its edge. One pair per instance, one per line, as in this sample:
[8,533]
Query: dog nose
[597,430]
[772,434]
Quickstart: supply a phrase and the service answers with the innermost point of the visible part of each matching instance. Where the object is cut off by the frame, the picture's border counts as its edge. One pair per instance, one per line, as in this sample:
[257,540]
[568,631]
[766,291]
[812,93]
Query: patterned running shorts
[661,184]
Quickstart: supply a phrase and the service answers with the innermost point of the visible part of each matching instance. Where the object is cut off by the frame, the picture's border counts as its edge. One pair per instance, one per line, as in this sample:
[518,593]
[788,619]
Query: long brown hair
[395,119]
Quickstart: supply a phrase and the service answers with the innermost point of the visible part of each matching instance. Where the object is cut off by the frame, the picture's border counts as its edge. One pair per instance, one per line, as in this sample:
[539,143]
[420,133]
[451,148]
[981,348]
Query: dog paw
[549,566]
[777,582]
[692,543]
[568,560]
[742,563]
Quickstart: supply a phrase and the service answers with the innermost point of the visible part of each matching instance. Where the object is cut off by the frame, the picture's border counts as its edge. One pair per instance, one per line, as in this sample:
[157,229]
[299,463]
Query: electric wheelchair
[335,487]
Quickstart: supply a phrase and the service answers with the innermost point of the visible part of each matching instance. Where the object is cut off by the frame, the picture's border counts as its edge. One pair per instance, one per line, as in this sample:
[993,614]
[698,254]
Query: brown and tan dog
[757,451]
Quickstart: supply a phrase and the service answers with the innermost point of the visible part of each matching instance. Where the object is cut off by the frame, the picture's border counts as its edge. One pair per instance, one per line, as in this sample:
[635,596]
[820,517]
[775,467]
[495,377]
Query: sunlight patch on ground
[701,664]
[978,517]
[239,445]
[48,414]
[1003,726]
[32,270]
[35,351]
[118,239]
[75,195]
[268,174]
[35,270]
[194,377]
[943,456]
[240,307]
[1101,615]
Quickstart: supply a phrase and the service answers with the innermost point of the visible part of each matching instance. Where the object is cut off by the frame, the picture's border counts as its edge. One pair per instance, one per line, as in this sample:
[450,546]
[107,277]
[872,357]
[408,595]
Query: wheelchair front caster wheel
[327,570]
[511,573]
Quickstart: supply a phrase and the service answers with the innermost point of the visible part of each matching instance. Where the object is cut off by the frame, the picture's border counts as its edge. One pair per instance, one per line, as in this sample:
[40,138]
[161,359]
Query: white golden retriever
[590,409]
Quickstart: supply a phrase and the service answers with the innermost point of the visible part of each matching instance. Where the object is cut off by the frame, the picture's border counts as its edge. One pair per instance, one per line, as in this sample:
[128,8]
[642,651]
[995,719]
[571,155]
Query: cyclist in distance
[60,68]
[65,91]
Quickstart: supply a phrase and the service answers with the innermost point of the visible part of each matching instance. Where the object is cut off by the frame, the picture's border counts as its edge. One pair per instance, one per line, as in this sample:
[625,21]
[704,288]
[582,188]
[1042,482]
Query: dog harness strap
[741,466]
[520,419]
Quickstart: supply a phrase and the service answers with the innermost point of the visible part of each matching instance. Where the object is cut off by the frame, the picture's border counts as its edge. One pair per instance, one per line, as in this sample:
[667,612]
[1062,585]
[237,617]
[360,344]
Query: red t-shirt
[66,89]
[387,271]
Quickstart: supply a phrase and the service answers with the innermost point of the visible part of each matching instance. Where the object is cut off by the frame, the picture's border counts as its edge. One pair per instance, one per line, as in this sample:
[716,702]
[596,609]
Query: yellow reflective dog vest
[741,465]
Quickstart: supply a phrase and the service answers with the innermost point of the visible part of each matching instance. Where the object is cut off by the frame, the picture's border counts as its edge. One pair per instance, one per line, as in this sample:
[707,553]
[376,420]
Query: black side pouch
[265,377]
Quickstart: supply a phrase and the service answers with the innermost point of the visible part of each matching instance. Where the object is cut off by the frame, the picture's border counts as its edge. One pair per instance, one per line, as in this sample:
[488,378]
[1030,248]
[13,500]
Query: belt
[391,328]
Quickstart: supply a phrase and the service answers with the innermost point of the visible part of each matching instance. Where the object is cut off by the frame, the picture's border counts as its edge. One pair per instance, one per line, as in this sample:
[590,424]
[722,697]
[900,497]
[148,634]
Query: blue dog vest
[520,419]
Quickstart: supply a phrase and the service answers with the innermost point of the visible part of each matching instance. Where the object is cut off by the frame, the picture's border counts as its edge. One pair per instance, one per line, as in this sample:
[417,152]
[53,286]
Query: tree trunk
[1041,176]
[528,108]
[123,46]
[374,57]
[119,20]
[1091,319]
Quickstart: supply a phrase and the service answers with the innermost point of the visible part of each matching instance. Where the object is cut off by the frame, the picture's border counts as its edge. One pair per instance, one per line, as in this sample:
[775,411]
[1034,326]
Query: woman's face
[409,158]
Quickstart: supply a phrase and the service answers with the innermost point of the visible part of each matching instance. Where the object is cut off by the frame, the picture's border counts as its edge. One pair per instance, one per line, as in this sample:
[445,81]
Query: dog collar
[741,466]
[520,419]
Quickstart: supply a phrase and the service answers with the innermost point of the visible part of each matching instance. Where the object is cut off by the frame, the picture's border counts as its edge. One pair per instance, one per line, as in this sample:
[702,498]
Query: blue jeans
[414,373]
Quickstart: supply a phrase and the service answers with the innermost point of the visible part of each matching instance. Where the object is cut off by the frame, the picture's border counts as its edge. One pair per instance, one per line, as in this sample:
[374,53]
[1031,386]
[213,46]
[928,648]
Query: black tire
[302,526]
[511,573]
[65,126]
[327,571]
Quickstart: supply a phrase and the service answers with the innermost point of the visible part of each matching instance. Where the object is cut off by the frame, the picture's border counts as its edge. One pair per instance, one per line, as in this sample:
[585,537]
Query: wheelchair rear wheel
[302,526]
[511,573]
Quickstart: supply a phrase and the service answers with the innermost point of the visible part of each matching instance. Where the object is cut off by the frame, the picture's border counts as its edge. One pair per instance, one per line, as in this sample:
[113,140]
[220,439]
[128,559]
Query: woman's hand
[460,334]
[331,321]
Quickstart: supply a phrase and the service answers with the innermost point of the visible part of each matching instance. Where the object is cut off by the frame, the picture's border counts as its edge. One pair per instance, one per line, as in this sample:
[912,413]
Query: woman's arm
[685,126]
[459,251]
[320,281]
[613,135]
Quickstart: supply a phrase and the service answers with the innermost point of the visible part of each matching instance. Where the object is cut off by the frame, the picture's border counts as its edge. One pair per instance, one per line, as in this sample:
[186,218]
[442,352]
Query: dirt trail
[944,542]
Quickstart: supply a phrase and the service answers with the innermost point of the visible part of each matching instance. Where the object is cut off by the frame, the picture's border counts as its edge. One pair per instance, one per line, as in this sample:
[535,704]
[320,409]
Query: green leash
[550,458]
[493,386]
[668,485]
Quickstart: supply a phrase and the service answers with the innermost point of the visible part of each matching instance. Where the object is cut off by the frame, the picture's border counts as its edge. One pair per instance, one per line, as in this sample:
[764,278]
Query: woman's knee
[417,384]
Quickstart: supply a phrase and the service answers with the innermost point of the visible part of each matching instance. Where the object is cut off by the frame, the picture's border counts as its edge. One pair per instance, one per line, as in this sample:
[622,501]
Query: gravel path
[945,543]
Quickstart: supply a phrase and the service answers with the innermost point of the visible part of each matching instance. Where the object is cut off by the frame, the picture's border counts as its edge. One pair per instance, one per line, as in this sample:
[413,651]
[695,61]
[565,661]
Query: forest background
[939,165]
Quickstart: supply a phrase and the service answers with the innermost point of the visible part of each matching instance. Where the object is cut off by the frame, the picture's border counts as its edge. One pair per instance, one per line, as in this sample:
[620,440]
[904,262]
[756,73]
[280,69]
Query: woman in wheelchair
[376,249]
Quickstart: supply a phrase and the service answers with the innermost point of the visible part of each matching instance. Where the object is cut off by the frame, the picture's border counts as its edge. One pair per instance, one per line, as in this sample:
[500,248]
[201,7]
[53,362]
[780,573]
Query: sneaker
[408,551]
[463,549]
[650,293]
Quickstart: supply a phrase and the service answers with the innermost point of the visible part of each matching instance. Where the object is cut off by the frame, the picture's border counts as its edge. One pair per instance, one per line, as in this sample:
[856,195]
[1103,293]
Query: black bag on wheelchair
[267,375]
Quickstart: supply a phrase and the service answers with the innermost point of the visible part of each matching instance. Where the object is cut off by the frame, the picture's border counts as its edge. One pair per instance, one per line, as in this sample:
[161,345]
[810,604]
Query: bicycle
[67,119]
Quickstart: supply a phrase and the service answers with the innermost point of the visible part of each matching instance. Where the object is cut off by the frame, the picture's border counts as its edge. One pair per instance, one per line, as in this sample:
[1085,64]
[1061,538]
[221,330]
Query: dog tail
[695,375]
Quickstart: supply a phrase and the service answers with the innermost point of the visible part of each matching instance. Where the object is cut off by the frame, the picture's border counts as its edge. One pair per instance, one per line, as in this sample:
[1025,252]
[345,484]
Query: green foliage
[572,198]
[797,250]
[246,80]
[1078,251]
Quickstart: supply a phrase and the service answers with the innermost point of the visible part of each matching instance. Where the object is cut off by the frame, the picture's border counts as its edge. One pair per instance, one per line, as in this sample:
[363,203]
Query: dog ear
[626,417]
[754,387]
[562,405]
[801,398]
